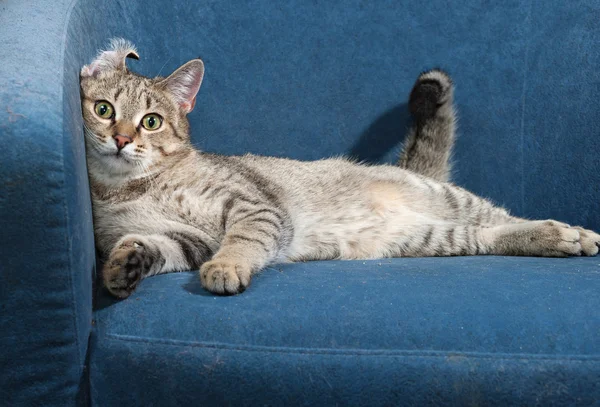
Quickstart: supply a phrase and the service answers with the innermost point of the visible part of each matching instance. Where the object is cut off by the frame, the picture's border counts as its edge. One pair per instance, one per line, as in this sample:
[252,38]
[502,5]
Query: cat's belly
[370,225]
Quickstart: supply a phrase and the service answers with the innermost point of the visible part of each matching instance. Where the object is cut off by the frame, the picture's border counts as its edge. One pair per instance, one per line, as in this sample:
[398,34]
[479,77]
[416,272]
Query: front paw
[224,276]
[127,264]
[590,241]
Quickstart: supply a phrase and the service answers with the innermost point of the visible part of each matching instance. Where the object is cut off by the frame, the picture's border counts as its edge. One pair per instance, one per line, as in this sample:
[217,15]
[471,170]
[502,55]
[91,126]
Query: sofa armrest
[46,235]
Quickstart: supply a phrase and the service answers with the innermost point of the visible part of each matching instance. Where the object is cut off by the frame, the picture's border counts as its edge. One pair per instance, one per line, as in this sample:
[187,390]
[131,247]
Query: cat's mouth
[122,156]
[118,156]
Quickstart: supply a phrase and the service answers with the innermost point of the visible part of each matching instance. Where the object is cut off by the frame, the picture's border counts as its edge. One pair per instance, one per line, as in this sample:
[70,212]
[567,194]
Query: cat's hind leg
[480,212]
[528,238]
[546,238]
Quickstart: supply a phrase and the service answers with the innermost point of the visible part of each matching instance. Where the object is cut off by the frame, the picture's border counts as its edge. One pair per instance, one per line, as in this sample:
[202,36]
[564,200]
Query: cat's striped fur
[161,206]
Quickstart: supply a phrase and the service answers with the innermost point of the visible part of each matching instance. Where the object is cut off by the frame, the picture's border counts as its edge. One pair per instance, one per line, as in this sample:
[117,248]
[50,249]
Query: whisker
[165,64]
[91,136]
[146,174]
[153,182]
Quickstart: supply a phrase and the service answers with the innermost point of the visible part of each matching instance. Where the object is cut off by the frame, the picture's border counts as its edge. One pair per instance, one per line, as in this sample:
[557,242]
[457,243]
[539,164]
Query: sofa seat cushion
[464,330]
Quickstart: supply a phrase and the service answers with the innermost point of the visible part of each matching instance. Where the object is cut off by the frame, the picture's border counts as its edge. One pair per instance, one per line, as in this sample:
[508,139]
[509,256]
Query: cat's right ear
[112,59]
[184,84]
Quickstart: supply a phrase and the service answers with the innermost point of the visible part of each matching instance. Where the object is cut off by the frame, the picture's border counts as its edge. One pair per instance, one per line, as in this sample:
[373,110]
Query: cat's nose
[122,140]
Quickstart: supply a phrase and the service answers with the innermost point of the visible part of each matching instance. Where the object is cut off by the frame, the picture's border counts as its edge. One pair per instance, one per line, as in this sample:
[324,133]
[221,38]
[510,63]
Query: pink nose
[122,140]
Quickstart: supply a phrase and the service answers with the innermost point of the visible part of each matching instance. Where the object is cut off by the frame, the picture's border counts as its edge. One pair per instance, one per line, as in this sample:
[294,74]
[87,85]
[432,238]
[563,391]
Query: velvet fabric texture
[458,331]
[307,79]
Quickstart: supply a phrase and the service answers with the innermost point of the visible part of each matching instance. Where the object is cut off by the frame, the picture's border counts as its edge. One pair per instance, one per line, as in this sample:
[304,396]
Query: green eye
[104,109]
[151,121]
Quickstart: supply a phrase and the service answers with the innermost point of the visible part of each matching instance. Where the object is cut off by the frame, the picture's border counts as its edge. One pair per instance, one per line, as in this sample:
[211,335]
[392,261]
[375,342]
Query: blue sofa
[307,79]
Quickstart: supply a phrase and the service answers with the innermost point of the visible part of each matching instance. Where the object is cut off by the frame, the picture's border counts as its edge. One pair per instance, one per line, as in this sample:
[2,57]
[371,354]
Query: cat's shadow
[103,299]
[384,135]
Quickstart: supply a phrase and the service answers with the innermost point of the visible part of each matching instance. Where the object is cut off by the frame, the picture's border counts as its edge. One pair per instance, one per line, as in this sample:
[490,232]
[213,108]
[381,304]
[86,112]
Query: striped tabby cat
[161,206]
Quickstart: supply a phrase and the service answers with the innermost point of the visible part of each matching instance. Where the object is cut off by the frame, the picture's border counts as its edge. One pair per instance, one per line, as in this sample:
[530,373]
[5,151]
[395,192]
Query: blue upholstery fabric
[308,79]
[466,331]
[46,239]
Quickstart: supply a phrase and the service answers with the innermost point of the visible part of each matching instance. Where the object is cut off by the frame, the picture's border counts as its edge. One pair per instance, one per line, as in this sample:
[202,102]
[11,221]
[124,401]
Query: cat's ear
[184,84]
[111,59]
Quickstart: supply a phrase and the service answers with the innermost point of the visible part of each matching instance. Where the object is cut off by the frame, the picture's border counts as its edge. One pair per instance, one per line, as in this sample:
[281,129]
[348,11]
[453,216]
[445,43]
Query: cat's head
[132,123]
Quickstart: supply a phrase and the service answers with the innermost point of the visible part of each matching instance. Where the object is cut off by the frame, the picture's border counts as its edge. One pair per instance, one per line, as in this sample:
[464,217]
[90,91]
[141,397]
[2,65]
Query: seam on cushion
[359,352]
[74,308]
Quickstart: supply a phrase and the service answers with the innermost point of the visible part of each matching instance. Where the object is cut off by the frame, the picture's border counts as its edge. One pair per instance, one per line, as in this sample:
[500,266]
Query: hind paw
[589,240]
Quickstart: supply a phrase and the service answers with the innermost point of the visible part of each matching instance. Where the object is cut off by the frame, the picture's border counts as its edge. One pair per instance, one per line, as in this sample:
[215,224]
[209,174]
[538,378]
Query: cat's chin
[114,164]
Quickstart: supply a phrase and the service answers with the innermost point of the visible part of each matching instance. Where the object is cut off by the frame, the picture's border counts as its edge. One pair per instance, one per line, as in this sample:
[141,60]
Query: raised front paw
[590,241]
[127,264]
[223,276]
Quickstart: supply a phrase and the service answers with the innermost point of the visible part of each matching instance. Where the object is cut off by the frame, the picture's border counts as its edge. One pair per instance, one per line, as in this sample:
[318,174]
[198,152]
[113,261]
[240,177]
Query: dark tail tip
[429,93]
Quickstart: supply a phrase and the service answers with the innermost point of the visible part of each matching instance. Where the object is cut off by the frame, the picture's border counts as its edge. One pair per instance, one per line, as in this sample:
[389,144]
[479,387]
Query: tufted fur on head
[111,59]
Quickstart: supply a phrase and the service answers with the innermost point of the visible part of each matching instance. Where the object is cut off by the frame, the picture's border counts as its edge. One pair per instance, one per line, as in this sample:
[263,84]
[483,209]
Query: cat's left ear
[112,59]
[184,84]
